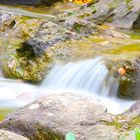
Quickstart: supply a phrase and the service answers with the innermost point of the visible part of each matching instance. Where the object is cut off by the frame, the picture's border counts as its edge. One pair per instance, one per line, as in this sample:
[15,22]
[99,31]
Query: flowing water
[89,77]
[38,11]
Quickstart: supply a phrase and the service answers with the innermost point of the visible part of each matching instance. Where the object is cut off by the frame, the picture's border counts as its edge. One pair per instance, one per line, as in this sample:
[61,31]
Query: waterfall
[88,75]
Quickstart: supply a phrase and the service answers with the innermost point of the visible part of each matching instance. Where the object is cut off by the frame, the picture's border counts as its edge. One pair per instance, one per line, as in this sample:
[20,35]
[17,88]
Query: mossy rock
[21,65]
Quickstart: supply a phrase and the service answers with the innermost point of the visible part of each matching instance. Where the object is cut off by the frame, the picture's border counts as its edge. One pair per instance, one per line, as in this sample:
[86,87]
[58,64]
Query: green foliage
[4,112]
[70,136]
[137,133]
[77,27]
[70,13]
[93,9]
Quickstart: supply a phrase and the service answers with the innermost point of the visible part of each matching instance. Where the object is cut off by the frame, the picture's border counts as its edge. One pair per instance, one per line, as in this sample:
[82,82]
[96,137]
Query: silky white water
[88,77]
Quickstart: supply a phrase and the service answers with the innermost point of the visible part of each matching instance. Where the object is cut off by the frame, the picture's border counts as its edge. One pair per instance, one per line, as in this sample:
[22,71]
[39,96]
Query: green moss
[77,27]
[47,134]
[93,7]
[124,128]
[24,66]
[126,49]
[114,123]
[4,112]
[128,1]
[134,122]
[18,64]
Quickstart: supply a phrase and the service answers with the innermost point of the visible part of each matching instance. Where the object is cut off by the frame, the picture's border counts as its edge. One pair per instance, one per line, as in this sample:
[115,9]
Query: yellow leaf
[80,1]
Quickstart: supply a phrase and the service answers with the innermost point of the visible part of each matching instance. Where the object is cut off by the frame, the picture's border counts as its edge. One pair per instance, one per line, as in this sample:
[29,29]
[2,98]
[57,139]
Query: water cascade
[89,77]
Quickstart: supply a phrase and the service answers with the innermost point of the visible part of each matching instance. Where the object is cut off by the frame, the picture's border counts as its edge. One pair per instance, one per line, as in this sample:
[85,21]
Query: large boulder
[133,114]
[120,13]
[57,114]
[7,135]
[17,29]
[52,117]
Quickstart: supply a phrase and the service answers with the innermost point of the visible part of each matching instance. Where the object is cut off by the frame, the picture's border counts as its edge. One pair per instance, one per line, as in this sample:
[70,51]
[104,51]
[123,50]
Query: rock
[28,3]
[128,82]
[20,2]
[133,113]
[7,21]
[51,41]
[128,121]
[51,33]
[120,13]
[127,14]
[7,135]
[17,29]
[50,2]
[79,23]
[55,115]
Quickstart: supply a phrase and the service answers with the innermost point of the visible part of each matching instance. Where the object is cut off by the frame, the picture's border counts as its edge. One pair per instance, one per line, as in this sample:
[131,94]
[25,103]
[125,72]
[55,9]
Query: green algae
[114,123]
[126,49]
[134,122]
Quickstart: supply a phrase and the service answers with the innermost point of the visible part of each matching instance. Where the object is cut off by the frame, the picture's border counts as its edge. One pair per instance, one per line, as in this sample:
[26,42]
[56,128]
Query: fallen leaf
[122,71]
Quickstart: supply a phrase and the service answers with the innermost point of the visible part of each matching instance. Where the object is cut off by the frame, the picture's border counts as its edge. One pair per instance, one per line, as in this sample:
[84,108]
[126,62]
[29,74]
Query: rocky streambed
[31,43]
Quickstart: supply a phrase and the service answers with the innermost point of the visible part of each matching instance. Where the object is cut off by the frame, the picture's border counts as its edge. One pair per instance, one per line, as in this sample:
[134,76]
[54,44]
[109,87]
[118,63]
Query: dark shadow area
[136,24]
[20,2]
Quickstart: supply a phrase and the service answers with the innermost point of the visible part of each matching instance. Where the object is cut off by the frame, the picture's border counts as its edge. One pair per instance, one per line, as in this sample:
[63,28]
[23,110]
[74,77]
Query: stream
[89,77]
[93,80]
